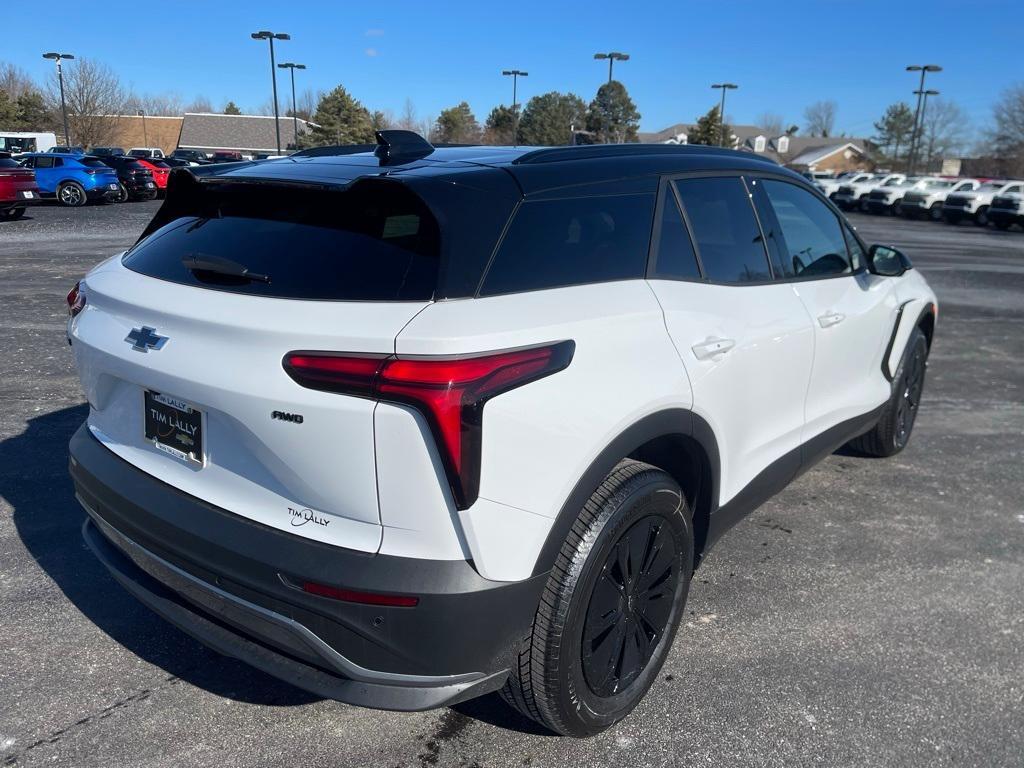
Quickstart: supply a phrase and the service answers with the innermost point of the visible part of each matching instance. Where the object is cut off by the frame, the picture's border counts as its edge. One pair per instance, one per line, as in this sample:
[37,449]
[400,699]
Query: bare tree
[94,97]
[159,104]
[1007,138]
[771,123]
[305,104]
[409,121]
[200,104]
[944,131]
[15,81]
[821,118]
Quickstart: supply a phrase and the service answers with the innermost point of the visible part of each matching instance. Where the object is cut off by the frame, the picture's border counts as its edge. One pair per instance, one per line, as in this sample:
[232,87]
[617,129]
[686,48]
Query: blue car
[73,179]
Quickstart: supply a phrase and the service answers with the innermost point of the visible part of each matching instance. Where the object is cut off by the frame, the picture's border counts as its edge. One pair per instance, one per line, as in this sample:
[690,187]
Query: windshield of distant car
[938,184]
[991,186]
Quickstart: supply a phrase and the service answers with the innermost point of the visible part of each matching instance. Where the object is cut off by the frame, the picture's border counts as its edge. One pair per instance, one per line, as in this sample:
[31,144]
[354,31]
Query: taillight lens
[450,393]
[76,300]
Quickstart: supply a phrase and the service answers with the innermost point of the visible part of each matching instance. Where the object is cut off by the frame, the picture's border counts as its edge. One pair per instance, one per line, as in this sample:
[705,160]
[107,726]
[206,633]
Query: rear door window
[726,232]
[370,244]
[812,234]
[44,162]
[572,241]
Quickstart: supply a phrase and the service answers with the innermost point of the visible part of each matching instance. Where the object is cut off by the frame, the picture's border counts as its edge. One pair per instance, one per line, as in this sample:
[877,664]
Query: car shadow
[34,480]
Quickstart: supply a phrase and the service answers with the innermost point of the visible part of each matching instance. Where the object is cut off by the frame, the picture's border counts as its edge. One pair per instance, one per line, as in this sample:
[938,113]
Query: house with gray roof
[248,134]
[803,153]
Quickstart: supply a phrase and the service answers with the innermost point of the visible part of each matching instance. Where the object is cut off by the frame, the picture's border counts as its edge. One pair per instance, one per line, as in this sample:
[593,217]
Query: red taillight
[76,300]
[367,598]
[450,393]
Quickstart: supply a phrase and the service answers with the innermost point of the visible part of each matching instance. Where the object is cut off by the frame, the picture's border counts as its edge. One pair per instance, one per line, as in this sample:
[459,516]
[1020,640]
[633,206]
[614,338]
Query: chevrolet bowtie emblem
[145,338]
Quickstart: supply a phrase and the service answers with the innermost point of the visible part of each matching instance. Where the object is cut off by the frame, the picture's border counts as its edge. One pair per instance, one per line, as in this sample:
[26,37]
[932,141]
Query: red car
[160,172]
[17,188]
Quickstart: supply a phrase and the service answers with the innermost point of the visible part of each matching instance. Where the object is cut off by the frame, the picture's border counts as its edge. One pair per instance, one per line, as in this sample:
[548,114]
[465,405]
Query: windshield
[991,186]
[91,162]
[939,184]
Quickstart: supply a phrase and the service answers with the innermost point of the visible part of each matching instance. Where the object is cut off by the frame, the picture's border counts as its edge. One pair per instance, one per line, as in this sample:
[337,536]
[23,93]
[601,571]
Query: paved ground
[873,614]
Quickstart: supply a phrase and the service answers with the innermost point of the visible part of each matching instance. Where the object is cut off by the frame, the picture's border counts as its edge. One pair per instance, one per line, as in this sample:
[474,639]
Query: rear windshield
[6,162]
[92,162]
[377,242]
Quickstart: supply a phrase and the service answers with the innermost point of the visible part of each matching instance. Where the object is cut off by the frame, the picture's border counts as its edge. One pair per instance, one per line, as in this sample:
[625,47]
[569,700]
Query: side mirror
[886,261]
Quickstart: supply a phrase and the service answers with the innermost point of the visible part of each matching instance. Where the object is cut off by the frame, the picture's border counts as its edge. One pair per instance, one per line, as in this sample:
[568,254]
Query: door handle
[708,348]
[831,318]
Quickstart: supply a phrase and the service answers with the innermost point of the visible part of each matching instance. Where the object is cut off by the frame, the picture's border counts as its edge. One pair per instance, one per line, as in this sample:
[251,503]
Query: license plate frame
[175,427]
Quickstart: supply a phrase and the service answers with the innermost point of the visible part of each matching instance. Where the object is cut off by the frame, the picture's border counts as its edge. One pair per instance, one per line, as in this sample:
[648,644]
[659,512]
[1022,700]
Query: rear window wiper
[218,265]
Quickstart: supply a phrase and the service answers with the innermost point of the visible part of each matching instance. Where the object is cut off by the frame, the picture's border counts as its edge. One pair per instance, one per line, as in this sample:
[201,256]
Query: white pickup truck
[928,200]
[829,187]
[854,196]
[974,205]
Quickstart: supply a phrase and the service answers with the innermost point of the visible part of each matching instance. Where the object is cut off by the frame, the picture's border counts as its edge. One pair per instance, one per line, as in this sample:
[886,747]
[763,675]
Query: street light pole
[272,36]
[516,74]
[145,138]
[295,118]
[60,77]
[923,96]
[612,57]
[924,69]
[721,110]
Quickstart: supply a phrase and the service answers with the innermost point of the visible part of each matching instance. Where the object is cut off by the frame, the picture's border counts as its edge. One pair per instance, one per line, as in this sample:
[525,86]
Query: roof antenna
[397,147]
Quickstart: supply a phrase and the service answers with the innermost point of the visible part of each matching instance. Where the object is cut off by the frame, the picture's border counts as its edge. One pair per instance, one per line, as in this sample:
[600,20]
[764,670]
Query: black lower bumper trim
[125,562]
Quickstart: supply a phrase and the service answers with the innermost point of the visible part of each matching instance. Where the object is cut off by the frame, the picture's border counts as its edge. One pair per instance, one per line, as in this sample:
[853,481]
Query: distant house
[248,134]
[802,153]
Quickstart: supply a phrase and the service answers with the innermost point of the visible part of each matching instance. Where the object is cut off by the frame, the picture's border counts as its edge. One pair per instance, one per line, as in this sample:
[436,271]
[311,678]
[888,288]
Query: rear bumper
[229,583]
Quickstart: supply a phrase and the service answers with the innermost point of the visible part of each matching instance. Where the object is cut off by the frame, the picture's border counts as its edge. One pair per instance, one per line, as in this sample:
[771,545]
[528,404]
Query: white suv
[854,195]
[928,200]
[974,205]
[407,426]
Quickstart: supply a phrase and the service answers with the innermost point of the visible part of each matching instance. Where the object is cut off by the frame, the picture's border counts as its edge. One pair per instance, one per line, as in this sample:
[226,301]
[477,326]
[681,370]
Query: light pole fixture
[145,139]
[721,109]
[515,74]
[612,57]
[295,119]
[60,77]
[924,69]
[271,37]
[923,96]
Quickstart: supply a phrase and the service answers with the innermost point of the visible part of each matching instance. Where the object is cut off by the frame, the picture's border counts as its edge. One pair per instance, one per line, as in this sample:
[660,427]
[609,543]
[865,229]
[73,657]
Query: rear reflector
[449,392]
[367,598]
[76,300]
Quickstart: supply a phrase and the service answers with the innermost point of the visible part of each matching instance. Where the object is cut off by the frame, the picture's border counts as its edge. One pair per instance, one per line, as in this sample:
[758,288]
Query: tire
[122,193]
[892,432]
[935,212]
[981,217]
[863,205]
[580,672]
[72,194]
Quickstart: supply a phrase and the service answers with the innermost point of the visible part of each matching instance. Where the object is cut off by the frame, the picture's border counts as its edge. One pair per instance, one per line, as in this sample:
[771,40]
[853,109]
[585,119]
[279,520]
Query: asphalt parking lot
[871,615]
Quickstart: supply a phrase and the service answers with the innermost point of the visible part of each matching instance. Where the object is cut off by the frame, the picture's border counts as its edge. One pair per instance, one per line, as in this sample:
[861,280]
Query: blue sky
[784,55]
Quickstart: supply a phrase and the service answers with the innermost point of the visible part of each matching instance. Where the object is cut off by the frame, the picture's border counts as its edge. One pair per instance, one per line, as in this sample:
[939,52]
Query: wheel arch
[676,441]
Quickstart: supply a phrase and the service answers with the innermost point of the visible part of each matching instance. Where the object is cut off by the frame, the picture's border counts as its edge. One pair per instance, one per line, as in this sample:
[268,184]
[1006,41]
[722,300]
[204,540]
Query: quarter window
[726,232]
[813,237]
[554,243]
[44,162]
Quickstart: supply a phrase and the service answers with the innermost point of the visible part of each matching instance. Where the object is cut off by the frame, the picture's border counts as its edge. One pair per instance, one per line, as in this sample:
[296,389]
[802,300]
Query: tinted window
[728,238]
[91,162]
[7,162]
[44,162]
[813,237]
[674,258]
[368,244]
[552,243]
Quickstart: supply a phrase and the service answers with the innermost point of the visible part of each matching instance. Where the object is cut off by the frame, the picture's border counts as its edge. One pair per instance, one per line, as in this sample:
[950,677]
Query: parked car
[73,179]
[18,188]
[854,196]
[226,156]
[160,171]
[192,155]
[975,205]
[401,500]
[928,200]
[1007,209]
[146,152]
[889,197]
[829,187]
[177,162]
[64,150]
[106,151]
[135,181]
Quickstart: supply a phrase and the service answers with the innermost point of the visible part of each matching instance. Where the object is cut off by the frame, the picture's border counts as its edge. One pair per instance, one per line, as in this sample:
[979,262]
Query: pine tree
[612,115]
[340,119]
[709,130]
[500,126]
[232,109]
[549,119]
[457,125]
[894,130]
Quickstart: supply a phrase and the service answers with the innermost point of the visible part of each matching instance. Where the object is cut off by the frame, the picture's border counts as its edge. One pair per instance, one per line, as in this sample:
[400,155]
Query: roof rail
[596,151]
[338,149]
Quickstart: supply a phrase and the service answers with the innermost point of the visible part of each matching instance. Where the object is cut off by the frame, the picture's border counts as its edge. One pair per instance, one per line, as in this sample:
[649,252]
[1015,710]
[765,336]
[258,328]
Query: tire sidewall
[649,496]
[899,384]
